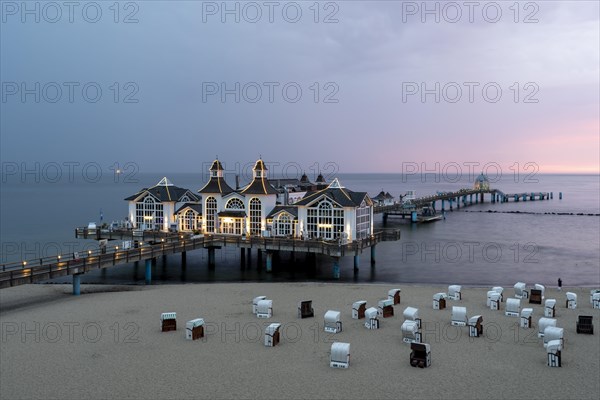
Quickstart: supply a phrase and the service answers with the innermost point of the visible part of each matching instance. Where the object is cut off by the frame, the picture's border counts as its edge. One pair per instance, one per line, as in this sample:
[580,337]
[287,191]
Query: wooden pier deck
[157,244]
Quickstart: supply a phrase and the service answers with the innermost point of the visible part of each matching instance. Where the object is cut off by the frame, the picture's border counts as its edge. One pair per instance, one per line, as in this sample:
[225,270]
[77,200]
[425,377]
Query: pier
[463,197]
[155,244]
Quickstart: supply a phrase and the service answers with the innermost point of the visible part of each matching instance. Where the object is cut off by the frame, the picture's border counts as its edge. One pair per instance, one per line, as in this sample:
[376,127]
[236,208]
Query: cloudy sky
[367,85]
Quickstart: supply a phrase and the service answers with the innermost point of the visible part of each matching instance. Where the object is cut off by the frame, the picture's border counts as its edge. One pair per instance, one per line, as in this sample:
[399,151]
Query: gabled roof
[337,193]
[164,191]
[193,206]
[293,210]
[216,185]
[383,196]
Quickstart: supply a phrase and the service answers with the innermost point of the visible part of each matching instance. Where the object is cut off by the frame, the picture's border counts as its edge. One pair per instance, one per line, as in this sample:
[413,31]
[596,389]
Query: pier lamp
[89,252]
[58,257]
[116,248]
[24,263]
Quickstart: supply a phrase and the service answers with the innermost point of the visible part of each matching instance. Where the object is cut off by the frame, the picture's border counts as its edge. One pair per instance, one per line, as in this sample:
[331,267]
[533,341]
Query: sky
[358,86]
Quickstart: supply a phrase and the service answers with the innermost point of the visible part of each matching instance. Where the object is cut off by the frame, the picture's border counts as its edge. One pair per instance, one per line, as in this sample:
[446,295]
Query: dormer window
[213,174]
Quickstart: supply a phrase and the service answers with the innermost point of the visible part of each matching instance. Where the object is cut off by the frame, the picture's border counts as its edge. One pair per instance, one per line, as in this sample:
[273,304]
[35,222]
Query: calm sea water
[471,246]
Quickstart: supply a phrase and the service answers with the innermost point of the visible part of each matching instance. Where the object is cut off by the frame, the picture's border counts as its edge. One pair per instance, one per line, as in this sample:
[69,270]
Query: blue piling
[148,271]
[76,284]
[269,261]
[336,268]
[356,262]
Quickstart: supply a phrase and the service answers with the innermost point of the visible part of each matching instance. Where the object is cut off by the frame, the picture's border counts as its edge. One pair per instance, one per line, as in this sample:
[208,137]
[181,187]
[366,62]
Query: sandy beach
[107,343]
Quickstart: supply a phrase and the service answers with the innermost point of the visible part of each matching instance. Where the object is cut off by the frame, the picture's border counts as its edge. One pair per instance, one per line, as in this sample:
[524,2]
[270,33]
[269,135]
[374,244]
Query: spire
[164,182]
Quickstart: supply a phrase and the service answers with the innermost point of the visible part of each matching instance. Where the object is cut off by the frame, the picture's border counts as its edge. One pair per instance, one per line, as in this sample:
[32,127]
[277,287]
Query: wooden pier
[155,244]
[463,197]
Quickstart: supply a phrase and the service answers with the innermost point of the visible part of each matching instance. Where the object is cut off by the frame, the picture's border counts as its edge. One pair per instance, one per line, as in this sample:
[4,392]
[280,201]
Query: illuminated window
[235,204]
[211,214]
[148,214]
[255,216]
[325,220]
[283,225]
[363,221]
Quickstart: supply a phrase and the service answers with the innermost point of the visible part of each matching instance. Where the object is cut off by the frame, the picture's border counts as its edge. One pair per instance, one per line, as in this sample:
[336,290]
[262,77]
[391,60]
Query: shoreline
[107,343]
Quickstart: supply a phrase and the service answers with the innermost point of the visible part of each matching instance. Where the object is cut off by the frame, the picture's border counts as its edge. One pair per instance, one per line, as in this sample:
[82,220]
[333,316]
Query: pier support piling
[336,267]
[373,260]
[148,271]
[269,261]
[356,262]
[413,218]
[243,257]
[77,284]
[211,258]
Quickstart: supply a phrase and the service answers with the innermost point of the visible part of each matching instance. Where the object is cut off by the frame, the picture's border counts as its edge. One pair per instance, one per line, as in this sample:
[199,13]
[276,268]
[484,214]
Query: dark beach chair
[305,309]
[584,324]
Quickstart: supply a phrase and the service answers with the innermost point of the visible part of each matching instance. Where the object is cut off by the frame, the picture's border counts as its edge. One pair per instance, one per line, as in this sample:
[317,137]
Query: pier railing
[31,271]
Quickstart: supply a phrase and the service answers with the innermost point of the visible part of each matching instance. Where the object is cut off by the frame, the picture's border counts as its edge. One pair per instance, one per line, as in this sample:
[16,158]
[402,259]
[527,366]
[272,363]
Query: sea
[484,244]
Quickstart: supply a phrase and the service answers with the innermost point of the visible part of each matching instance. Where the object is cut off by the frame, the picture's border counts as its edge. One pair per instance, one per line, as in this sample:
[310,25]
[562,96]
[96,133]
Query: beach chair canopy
[371,313]
[411,313]
[356,305]
[272,328]
[498,289]
[553,333]
[392,292]
[459,313]
[513,305]
[544,322]
[332,316]
[554,346]
[526,312]
[592,293]
[385,303]
[493,295]
[257,299]
[410,327]
[454,289]
[264,306]
[596,297]
[520,287]
[475,319]
[194,323]
[571,296]
[168,315]
[440,296]
[340,352]
[550,303]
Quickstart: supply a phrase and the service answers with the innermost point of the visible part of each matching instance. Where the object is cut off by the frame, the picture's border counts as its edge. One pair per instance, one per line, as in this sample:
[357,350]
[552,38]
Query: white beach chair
[332,322]
[340,355]
[543,323]
[553,350]
[168,321]
[358,309]
[526,314]
[550,308]
[194,329]
[596,300]
[439,301]
[394,294]
[372,322]
[521,290]
[272,335]
[494,300]
[571,300]
[385,308]
[513,307]
[475,326]
[410,332]
[553,333]
[500,290]
[542,288]
[454,292]
[412,314]
[459,316]
[255,302]
[592,293]
[264,309]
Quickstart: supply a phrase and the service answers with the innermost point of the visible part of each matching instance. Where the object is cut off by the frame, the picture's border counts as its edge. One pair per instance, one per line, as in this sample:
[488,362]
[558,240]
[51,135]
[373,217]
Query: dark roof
[304,179]
[259,186]
[216,166]
[320,179]
[194,206]
[380,196]
[232,213]
[342,196]
[260,164]
[165,191]
[290,209]
[216,185]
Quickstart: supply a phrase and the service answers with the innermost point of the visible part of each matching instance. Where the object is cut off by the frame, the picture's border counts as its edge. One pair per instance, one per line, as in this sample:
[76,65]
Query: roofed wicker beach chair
[585,325]
[394,294]
[340,355]
[420,356]
[439,301]
[305,309]
[168,321]
[358,309]
[194,329]
[372,322]
[571,300]
[272,335]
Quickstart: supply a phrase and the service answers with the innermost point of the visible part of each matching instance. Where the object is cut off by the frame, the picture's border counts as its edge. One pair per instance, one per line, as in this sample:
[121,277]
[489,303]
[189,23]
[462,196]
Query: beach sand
[107,343]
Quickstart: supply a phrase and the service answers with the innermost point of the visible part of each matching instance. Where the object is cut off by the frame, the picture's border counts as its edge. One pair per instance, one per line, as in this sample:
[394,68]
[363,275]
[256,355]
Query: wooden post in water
[148,271]
[76,284]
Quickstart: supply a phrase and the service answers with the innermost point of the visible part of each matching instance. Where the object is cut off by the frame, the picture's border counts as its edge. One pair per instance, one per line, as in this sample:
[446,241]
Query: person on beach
[559,285]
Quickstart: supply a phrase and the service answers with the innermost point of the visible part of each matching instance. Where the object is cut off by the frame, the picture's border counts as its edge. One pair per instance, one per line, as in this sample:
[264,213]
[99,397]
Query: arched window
[283,225]
[235,204]
[255,216]
[325,220]
[184,199]
[190,219]
[211,214]
[148,214]
[363,221]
